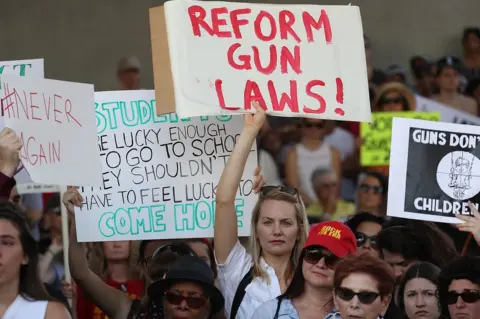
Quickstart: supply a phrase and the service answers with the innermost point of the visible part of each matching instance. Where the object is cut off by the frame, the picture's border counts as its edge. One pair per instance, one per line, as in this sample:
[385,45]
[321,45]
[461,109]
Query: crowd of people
[321,245]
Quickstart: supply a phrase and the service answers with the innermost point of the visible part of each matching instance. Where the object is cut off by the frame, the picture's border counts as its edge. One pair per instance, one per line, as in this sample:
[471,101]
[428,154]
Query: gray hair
[321,172]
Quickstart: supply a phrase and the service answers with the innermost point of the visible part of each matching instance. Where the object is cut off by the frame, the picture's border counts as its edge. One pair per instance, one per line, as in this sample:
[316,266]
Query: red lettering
[258,26]
[220,22]
[252,93]
[47,108]
[68,112]
[221,98]
[32,106]
[286,20]
[41,155]
[323,21]
[272,60]
[244,59]
[236,22]
[55,110]
[24,106]
[291,100]
[286,57]
[7,102]
[323,105]
[197,19]
[339,96]
[35,153]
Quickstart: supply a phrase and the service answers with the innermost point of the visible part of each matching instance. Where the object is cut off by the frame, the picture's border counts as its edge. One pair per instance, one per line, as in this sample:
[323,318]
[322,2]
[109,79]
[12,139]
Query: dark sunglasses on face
[396,100]
[365,297]
[192,302]
[469,296]
[328,185]
[314,255]
[375,189]
[362,239]
[288,190]
[320,125]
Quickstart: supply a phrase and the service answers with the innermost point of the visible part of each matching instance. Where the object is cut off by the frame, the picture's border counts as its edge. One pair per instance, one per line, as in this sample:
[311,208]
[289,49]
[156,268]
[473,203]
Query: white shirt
[269,169]
[23,308]
[257,292]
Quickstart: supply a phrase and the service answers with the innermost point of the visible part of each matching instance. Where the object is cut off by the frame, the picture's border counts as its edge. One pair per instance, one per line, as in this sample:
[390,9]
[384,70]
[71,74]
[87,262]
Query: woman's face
[448,79]
[420,299]
[370,195]
[277,227]
[201,249]
[317,267]
[367,232]
[186,300]
[12,256]
[326,187]
[392,102]
[313,129]
[368,305]
[116,250]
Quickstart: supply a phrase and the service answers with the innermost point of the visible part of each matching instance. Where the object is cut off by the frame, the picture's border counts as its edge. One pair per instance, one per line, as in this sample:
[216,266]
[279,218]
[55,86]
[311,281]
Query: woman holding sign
[279,228]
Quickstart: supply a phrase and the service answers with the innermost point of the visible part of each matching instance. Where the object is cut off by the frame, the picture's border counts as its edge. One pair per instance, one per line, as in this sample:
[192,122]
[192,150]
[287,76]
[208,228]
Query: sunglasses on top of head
[365,297]
[177,249]
[287,190]
[468,296]
[362,239]
[192,302]
[375,189]
[314,254]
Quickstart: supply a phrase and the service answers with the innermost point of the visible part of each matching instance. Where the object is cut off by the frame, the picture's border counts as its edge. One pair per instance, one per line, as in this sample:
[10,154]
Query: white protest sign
[30,68]
[435,170]
[159,173]
[296,60]
[56,122]
[33,188]
[447,113]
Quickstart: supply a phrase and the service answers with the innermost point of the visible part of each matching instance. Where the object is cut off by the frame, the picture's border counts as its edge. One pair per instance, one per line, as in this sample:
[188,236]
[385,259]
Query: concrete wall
[83,40]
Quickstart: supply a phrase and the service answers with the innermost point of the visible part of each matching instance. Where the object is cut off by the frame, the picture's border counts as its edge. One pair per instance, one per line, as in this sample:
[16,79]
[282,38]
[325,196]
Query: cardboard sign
[31,68]
[296,60]
[434,169]
[375,150]
[447,113]
[160,173]
[56,123]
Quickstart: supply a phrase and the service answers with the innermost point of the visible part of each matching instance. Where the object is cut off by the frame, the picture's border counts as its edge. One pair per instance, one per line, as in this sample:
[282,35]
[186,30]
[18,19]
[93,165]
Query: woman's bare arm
[225,230]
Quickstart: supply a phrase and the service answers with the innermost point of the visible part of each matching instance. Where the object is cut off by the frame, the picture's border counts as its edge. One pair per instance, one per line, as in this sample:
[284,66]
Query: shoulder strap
[240,293]
[278,308]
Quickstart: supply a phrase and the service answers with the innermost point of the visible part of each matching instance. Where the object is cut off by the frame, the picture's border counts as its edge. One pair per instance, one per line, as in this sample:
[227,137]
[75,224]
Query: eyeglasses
[365,297]
[375,189]
[314,255]
[192,302]
[362,239]
[320,125]
[469,296]
[288,190]
[396,100]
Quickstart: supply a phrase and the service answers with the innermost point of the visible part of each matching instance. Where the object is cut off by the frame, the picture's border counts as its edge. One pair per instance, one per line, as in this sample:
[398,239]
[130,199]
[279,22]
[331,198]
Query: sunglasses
[362,239]
[397,100]
[287,190]
[375,189]
[328,185]
[470,296]
[192,302]
[365,297]
[314,255]
[320,125]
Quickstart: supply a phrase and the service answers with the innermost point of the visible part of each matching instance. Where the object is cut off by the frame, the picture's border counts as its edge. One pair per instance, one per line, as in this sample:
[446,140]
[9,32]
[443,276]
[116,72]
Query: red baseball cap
[334,236]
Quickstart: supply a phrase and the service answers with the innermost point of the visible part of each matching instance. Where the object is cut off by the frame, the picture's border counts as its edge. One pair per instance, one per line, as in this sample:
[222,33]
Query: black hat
[420,65]
[53,204]
[449,61]
[189,268]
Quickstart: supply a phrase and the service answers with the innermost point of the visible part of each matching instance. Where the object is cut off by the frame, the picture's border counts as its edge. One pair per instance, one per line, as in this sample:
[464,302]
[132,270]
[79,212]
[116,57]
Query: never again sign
[295,60]
[160,173]
[442,170]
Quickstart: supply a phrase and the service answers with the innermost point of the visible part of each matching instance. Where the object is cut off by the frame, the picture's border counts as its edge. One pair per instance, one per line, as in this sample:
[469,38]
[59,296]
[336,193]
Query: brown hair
[367,264]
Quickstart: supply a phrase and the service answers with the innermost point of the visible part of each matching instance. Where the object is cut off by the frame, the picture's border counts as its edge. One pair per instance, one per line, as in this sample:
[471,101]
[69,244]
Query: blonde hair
[98,263]
[303,229]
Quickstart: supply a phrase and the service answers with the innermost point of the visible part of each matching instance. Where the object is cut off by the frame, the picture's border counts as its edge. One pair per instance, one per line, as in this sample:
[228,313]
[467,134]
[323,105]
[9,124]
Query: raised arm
[114,303]
[10,145]
[226,234]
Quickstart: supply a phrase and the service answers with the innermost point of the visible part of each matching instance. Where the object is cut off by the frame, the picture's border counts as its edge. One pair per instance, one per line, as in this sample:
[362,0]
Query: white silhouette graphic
[458,175]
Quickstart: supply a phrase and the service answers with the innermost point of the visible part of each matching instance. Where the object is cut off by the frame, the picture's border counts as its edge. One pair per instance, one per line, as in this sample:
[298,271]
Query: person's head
[371,192]
[128,73]
[313,129]
[19,255]
[187,290]
[325,183]
[423,71]
[395,73]
[326,245]
[417,296]
[471,40]
[448,74]
[363,286]
[203,248]
[279,226]
[394,97]
[366,226]
[403,241]
[113,252]
[53,214]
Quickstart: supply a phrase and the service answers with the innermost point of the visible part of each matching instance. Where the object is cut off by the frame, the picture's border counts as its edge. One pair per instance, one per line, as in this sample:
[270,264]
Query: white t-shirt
[257,292]
[23,308]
